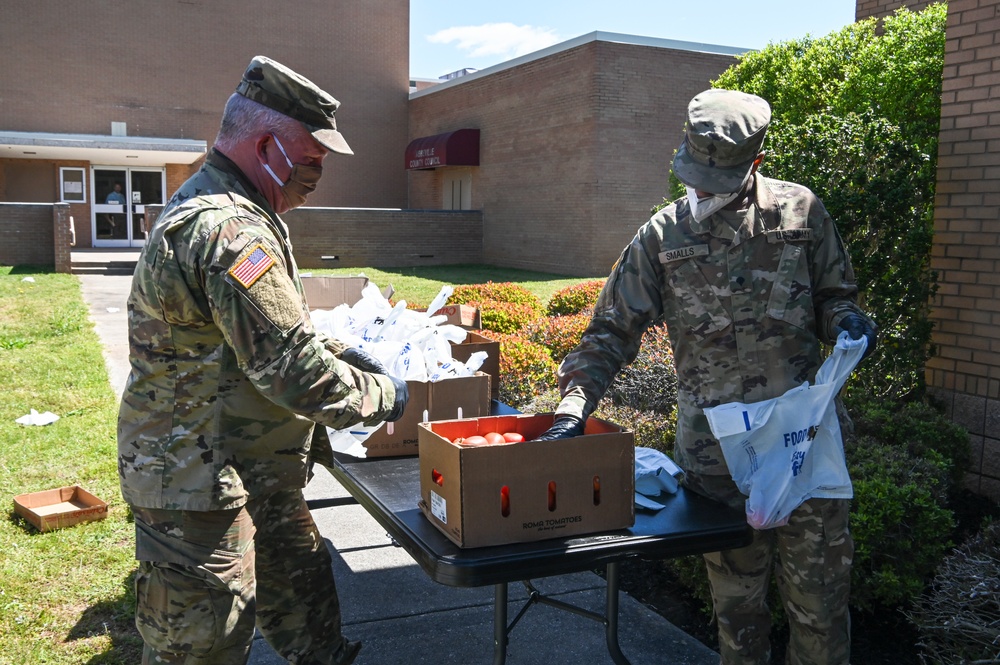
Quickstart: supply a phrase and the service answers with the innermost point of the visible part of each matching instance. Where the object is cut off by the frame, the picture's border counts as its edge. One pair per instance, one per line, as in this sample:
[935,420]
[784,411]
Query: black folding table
[389,489]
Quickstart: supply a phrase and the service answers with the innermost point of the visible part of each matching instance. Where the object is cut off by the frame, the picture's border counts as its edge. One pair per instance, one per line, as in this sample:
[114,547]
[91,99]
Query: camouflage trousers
[205,579]
[811,556]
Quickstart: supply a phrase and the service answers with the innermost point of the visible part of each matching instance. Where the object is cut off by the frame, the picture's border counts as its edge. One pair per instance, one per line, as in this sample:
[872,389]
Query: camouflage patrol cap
[272,84]
[724,134]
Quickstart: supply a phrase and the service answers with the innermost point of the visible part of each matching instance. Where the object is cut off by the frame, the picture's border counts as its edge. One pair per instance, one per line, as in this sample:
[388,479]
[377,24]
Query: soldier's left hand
[363,360]
[856,326]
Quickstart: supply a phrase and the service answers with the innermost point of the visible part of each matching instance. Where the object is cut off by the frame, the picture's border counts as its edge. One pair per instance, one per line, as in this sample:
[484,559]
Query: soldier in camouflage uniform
[751,277]
[230,392]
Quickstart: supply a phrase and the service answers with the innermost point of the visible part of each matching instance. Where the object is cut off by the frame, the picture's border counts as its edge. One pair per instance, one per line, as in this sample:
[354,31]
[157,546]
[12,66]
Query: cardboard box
[466,316]
[328,291]
[473,343]
[58,508]
[465,397]
[533,490]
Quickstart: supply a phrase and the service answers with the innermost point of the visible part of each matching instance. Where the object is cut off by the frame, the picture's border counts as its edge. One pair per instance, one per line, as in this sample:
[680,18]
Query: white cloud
[497,39]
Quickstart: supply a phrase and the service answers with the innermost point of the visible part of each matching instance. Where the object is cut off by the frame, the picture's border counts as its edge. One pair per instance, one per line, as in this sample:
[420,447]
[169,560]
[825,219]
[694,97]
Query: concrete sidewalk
[402,616]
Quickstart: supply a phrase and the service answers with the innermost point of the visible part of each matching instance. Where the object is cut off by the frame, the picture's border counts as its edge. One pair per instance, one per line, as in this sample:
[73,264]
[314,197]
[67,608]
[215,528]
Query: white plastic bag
[411,345]
[786,450]
[655,475]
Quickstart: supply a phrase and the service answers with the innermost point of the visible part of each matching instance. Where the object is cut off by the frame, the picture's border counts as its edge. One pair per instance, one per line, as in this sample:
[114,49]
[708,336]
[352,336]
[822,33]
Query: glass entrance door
[121,195]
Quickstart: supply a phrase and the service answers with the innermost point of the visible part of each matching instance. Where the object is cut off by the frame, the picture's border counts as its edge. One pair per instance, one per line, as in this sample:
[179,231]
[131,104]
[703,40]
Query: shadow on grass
[114,618]
[31,270]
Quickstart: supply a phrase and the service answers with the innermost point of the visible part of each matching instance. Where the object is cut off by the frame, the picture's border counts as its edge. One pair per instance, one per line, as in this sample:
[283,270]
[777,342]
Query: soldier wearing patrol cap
[230,392]
[751,278]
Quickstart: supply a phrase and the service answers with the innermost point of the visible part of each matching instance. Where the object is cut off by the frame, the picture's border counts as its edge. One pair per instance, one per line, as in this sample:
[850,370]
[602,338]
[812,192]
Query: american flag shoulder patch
[252,267]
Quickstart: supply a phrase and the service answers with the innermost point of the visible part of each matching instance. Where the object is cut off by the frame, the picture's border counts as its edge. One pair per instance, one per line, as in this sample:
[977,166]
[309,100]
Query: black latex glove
[402,397]
[563,427]
[362,360]
[856,326]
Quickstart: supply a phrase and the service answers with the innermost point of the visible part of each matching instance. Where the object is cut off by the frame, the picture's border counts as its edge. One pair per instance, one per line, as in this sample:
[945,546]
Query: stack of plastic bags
[412,345]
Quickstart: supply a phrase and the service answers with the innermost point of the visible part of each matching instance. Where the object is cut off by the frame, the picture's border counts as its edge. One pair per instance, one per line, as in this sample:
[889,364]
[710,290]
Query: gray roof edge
[596,36]
[101,141]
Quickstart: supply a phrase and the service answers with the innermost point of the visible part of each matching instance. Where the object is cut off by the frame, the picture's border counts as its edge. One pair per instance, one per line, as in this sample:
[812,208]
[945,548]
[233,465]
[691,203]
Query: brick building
[575,143]
[100,92]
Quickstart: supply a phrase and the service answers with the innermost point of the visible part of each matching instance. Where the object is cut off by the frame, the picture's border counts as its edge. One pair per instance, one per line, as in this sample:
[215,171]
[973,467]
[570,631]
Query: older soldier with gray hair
[751,278]
[230,392]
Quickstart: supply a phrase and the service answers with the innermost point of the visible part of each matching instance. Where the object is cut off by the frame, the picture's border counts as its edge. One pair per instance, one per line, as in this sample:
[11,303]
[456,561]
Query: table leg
[611,616]
[500,623]
[501,629]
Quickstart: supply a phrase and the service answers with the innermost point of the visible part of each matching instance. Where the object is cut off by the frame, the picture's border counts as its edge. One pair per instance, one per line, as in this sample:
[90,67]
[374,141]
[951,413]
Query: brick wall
[384,238]
[380,238]
[966,371]
[26,234]
[574,148]
[166,69]
[62,238]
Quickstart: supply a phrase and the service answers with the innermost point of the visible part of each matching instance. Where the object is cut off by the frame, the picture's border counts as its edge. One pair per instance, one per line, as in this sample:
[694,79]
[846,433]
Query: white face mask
[702,208]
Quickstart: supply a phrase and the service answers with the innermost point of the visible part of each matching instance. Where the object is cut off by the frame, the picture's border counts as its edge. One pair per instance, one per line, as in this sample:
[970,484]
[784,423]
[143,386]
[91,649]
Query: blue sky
[448,35]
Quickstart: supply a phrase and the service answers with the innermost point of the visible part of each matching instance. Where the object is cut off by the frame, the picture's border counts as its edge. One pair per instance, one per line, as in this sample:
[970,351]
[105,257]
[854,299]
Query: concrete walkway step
[104,261]
[102,269]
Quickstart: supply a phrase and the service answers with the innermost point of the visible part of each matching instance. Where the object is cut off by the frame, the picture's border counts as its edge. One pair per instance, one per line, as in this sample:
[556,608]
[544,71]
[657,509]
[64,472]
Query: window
[71,185]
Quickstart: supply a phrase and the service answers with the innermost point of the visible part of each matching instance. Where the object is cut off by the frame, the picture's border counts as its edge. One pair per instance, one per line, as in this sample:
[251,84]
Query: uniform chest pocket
[699,309]
[791,293]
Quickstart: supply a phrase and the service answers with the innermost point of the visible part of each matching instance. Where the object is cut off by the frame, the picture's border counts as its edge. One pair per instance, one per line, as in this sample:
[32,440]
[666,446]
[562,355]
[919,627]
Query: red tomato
[474,440]
[513,437]
[494,437]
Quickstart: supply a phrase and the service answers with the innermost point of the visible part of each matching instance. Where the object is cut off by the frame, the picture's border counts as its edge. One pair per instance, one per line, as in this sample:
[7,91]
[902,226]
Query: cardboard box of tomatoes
[512,489]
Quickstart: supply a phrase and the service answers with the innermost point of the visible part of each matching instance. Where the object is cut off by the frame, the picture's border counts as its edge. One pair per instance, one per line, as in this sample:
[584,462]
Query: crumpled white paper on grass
[412,345]
[655,475]
[35,418]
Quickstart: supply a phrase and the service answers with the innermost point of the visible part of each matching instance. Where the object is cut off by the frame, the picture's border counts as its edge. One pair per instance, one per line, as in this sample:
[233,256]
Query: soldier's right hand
[563,427]
[402,397]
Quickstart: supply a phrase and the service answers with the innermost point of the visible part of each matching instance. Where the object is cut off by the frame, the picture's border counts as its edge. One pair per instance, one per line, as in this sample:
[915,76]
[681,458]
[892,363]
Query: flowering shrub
[505,292]
[576,298]
[505,317]
[559,334]
[526,369]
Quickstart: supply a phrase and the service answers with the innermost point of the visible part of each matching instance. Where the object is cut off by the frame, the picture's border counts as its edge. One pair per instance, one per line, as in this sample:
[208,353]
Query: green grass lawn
[66,595]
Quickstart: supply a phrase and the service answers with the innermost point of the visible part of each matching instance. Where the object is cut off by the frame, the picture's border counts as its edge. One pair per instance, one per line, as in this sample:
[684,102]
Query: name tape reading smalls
[668,255]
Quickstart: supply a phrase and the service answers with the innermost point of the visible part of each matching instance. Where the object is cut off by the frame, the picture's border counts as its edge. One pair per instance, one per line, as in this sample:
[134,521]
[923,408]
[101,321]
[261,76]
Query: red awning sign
[458,148]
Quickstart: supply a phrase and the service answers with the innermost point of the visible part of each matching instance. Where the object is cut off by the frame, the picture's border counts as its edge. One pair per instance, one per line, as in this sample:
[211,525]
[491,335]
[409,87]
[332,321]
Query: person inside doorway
[115,197]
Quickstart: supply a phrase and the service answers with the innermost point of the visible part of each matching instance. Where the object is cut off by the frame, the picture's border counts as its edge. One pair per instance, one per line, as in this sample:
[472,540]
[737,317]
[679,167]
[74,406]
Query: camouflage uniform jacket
[747,298]
[228,375]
